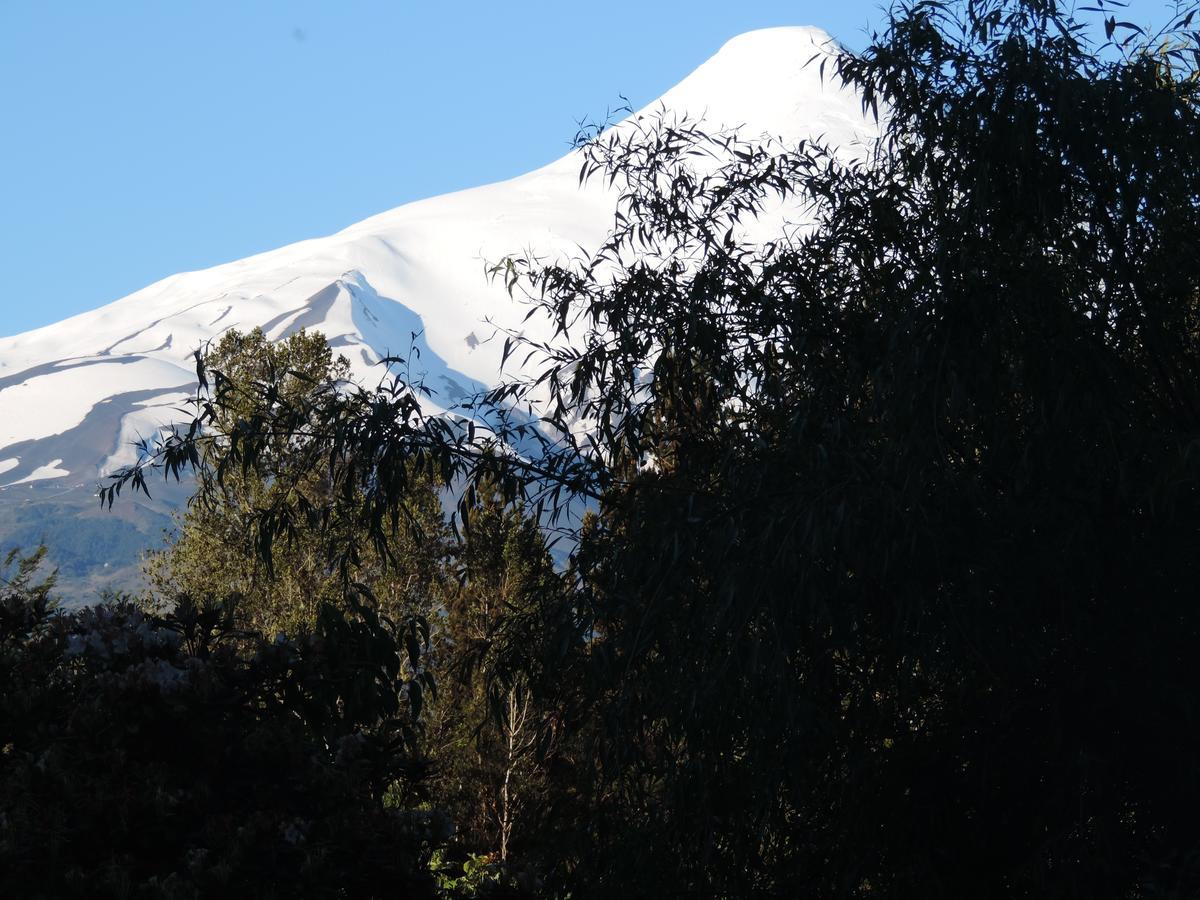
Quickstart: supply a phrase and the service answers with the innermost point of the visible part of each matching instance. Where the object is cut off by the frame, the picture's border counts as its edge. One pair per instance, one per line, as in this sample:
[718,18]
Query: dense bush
[171,756]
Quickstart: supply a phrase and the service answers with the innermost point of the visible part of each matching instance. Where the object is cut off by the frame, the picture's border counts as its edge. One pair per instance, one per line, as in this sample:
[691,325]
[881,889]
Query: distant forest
[856,561]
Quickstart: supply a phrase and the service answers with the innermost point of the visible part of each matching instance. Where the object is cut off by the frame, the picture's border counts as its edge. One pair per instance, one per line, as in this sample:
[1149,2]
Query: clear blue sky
[138,139]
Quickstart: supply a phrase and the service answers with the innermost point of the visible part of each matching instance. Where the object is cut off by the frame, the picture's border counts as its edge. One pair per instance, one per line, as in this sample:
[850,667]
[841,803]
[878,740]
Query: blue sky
[139,139]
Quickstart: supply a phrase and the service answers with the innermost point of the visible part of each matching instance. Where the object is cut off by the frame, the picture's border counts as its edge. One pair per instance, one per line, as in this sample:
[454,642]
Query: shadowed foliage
[177,756]
[889,588]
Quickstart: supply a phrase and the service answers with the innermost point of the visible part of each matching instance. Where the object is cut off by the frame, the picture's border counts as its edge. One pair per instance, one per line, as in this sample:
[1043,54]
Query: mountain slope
[74,396]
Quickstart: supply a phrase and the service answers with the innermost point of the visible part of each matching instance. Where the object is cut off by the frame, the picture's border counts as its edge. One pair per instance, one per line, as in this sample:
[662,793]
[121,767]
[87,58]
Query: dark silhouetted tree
[891,589]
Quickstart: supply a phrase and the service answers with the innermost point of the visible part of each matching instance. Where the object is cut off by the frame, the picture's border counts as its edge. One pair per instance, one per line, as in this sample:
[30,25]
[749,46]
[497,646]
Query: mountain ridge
[75,395]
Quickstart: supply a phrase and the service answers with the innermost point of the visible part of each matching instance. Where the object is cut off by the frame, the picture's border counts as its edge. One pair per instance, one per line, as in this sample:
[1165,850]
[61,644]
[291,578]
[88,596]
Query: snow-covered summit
[74,395]
[762,83]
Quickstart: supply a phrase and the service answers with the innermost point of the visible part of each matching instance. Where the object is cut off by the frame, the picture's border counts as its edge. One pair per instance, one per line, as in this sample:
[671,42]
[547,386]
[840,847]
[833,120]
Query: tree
[911,496]
[481,771]
[492,716]
[891,587]
[216,551]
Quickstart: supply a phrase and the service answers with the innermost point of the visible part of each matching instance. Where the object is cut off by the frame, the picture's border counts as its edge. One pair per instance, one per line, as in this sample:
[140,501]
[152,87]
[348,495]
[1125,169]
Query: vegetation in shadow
[888,586]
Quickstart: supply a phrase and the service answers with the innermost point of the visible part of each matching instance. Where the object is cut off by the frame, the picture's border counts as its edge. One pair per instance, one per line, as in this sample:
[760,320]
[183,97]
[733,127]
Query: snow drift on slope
[74,395]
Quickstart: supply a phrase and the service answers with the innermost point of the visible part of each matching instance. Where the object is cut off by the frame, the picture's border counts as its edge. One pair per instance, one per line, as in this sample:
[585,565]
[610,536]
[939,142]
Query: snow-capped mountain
[75,395]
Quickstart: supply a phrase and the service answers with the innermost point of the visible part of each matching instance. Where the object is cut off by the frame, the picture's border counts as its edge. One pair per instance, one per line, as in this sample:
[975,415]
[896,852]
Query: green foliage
[78,547]
[177,756]
[913,491]
[90,554]
[890,589]
[491,733]
[221,538]
[479,876]
[481,767]
[29,580]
